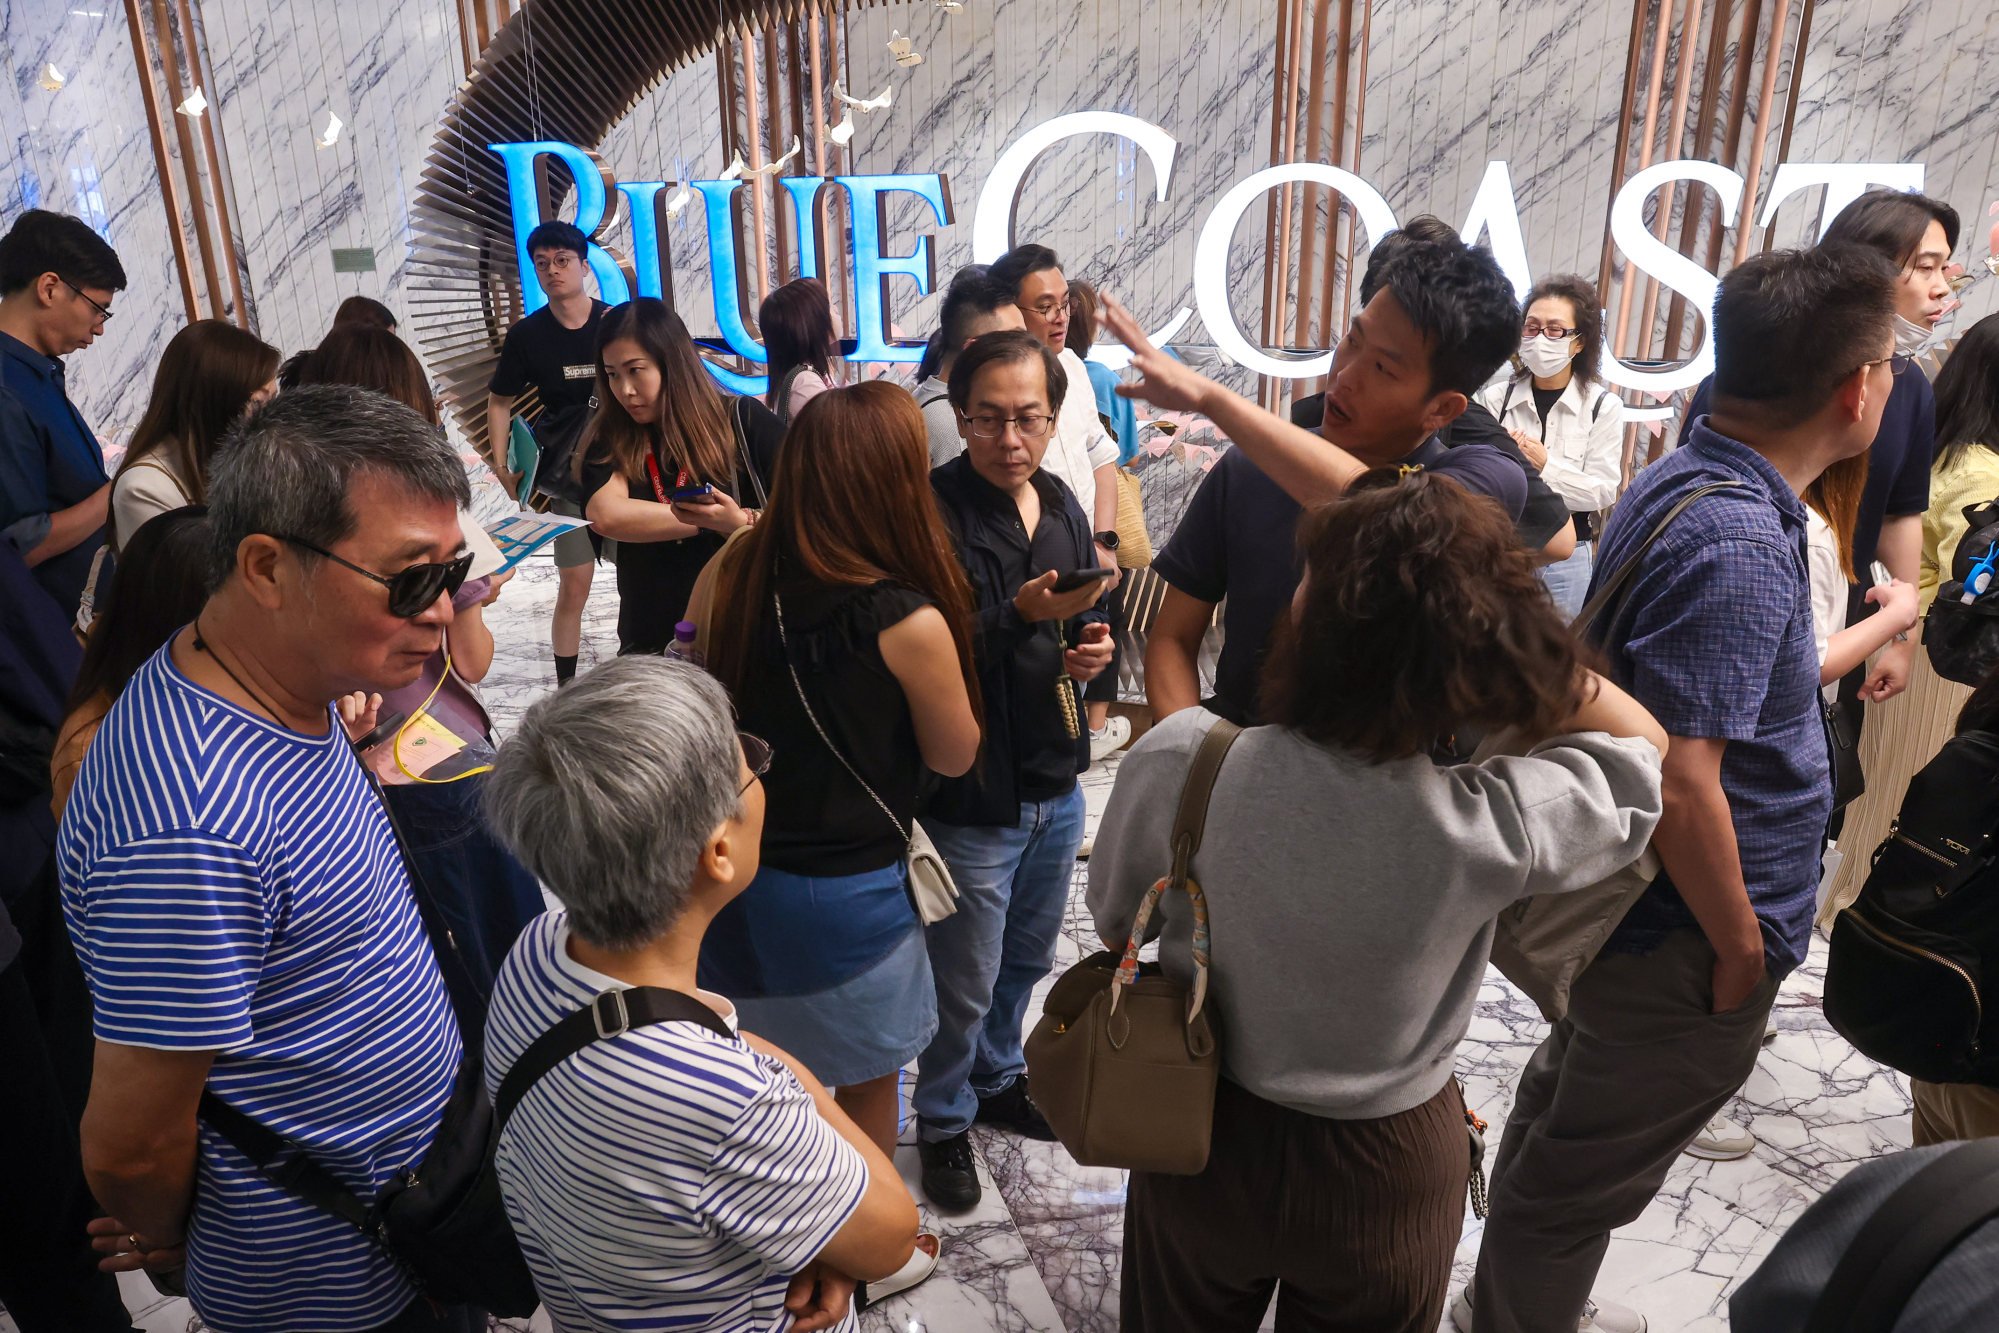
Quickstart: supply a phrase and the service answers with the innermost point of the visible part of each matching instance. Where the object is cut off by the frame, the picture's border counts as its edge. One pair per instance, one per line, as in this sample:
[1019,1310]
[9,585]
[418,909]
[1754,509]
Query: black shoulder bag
[1905,1238]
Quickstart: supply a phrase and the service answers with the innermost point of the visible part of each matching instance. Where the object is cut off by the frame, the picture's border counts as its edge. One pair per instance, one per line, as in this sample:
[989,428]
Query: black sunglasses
[412,591]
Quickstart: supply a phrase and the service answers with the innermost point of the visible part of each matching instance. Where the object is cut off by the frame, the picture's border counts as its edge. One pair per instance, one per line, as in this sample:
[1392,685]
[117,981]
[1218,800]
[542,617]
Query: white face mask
[1913,339]
[1546,357]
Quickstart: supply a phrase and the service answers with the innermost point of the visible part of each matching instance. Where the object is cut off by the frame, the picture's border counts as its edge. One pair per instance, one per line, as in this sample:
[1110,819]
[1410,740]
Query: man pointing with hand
[1010,828]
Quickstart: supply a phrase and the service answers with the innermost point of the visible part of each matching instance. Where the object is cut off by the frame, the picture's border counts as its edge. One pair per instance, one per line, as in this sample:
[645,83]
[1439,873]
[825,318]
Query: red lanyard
[680,479]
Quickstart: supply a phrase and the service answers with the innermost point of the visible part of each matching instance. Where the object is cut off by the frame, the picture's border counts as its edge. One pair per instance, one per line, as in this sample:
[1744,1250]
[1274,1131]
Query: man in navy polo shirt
[1917,235]
[1442,321]
[57,278]
[1715,638]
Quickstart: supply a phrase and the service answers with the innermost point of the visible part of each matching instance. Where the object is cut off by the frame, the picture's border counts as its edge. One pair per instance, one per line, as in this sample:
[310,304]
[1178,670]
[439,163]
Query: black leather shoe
[950,1177]
[1012,1108]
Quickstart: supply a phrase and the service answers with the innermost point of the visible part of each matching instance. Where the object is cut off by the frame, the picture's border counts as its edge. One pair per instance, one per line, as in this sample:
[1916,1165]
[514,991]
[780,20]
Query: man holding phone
[1010,828]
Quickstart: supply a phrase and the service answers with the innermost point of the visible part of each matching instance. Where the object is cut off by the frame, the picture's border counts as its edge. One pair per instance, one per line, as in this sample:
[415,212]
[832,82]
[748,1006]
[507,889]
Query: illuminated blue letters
[872,268]
[592,192]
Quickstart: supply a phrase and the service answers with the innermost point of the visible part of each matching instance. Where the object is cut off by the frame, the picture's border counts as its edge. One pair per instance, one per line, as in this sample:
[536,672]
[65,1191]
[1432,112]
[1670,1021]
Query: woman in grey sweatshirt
[1352,883]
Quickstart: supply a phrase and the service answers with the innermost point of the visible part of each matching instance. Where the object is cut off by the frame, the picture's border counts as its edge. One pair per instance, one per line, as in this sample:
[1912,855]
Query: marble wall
[1449,85]
[85,149]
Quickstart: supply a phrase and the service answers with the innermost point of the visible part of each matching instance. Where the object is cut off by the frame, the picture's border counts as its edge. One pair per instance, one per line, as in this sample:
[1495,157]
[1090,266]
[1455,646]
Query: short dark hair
[1422,227]
[1007,346]
[1018,264]
[973,295]
[1581,294]
[162,582]
[1423,616]
[43,242]
[1891,222]
[370,358]
[1791,324]
[559,235]
[1463,306]
[288,469]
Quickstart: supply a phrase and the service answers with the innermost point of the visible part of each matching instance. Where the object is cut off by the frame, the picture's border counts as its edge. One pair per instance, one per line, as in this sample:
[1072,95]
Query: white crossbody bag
[930,885]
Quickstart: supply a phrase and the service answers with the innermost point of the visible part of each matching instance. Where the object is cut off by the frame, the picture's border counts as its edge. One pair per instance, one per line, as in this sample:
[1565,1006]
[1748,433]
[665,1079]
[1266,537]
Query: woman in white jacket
[1565,419]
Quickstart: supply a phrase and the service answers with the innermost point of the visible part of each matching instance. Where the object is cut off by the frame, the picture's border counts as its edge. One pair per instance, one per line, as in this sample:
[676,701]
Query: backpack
[1962,638]
[1914,957]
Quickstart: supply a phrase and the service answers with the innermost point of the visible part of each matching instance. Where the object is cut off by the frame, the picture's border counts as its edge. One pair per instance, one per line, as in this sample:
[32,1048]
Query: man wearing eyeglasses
[1010,828]
[235,890]
[57,279]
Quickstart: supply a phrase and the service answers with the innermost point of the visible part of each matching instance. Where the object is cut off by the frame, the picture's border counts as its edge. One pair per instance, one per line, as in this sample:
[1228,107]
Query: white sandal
[914,1270]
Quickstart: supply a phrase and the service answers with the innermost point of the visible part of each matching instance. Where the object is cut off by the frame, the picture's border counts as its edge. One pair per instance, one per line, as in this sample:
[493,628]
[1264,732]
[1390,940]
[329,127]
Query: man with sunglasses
[57,278]
[236,891]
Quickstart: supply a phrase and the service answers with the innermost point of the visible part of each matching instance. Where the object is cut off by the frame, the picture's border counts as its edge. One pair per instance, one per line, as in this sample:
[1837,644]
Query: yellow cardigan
[1972,479]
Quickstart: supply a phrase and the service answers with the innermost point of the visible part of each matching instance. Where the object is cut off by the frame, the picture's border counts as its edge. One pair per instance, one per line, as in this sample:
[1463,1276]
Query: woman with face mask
[1566,420]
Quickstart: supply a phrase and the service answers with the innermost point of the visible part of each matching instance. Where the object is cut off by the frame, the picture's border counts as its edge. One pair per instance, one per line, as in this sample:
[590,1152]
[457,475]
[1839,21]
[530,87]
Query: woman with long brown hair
[1352,883]
[841,625]
[210,374]
[669,466]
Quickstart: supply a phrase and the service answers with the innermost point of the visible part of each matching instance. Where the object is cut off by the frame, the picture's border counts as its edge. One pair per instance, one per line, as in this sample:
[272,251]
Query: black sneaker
[1013,1108]
[950,1177]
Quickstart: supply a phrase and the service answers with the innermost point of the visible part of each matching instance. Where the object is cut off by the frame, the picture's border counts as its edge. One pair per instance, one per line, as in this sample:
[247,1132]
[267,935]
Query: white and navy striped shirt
[667,1178]
[233,886]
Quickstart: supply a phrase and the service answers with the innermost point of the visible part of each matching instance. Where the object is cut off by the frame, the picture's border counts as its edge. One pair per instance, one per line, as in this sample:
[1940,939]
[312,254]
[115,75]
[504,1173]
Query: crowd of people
[277,872]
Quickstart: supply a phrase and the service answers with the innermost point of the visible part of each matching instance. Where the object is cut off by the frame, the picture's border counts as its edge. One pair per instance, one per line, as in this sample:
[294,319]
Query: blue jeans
[1567,581]
[1013,888]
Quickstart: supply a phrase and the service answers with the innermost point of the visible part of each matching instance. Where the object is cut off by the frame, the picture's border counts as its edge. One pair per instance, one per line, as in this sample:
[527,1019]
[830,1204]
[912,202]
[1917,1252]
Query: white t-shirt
[1828,587]
[1080,444]
[667,1178]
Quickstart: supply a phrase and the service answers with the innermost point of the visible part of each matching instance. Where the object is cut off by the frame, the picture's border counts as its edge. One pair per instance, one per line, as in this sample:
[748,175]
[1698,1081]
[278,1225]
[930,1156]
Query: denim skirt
[831,968]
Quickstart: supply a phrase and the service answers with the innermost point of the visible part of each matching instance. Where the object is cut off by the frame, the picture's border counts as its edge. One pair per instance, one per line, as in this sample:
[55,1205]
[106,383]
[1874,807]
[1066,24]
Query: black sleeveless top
[817,819]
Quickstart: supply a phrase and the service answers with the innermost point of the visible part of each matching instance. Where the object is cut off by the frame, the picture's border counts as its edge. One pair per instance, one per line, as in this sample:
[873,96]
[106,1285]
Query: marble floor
[1041,1253]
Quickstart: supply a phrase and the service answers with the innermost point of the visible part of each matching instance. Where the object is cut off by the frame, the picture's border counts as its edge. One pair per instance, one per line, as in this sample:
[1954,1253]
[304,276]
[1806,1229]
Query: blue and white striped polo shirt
[233,886]
[667,1178]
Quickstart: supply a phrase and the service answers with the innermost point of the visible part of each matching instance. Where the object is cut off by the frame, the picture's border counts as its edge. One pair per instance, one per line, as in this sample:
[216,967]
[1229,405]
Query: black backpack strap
[1607,591]
[611,1014]
[933,398]
[285,1163]
[1906,1237]
[1596,407]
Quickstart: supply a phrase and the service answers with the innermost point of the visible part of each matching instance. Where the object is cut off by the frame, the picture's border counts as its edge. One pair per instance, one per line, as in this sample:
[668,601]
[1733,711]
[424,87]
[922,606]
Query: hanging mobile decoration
[903,49]
[331,134]
[52,78]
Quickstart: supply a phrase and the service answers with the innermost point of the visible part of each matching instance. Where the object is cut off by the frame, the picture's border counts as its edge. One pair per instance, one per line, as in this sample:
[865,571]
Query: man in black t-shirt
[554,351]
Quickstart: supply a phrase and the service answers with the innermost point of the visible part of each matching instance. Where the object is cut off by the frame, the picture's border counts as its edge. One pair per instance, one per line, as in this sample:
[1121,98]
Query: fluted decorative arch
[567,70]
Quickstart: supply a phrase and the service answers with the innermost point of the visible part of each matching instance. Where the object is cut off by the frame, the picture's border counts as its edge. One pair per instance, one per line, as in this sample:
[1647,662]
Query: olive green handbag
[1124,1059]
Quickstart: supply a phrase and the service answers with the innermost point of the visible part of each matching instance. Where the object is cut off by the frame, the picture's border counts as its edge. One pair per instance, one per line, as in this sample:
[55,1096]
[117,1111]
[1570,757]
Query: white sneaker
[1722,1141]
[1770,1032]
[1598,1316]
[1114,736]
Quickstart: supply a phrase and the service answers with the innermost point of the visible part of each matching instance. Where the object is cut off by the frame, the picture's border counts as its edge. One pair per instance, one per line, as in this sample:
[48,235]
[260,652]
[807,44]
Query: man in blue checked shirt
[57,279]
[1714,637]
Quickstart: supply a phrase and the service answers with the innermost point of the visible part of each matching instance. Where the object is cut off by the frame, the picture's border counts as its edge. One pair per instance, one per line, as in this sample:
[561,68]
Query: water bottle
[682,648]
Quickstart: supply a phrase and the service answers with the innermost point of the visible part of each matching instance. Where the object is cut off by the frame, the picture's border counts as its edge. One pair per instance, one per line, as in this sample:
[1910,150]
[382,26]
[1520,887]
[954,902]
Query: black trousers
[1104,688]
[1352,1223]
[48,1273]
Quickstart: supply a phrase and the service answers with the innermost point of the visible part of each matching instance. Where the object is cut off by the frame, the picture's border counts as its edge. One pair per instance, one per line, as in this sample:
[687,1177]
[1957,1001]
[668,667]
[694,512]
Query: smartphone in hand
[704,494]
[1081,578]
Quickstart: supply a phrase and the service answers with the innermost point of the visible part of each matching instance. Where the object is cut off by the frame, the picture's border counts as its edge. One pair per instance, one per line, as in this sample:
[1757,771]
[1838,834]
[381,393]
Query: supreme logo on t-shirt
[585,372]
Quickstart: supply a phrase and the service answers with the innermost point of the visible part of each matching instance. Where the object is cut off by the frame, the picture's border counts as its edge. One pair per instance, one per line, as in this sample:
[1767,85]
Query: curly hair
[1580,293]
[1419,615]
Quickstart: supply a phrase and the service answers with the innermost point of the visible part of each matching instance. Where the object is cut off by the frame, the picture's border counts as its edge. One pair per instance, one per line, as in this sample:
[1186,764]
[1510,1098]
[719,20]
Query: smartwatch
[1107,540]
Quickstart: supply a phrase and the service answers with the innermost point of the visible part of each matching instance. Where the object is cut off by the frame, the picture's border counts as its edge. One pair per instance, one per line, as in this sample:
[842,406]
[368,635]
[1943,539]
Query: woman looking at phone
[842,627]
[659,435]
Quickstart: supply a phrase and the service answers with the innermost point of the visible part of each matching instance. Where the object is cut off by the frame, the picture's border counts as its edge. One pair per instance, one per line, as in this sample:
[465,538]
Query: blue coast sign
[1494,214]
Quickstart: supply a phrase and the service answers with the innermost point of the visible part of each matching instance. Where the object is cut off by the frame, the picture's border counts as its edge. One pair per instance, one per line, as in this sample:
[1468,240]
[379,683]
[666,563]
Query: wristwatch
[1107,540]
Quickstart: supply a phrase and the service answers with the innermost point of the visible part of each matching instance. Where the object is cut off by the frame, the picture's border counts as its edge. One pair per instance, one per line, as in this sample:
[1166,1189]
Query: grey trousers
[1605,1106]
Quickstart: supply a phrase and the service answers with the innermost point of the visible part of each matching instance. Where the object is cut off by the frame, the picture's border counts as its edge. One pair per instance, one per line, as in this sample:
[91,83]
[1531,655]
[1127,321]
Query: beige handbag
[1124,1064]
[1134,542]
[1542,944]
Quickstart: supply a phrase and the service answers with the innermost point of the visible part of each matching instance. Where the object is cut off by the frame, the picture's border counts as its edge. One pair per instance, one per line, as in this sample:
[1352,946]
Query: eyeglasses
[1048,306]
[1032,425]
[103,312]
[412,591]
[558,261]
[1895,367]
[756,757]
[1532,330]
